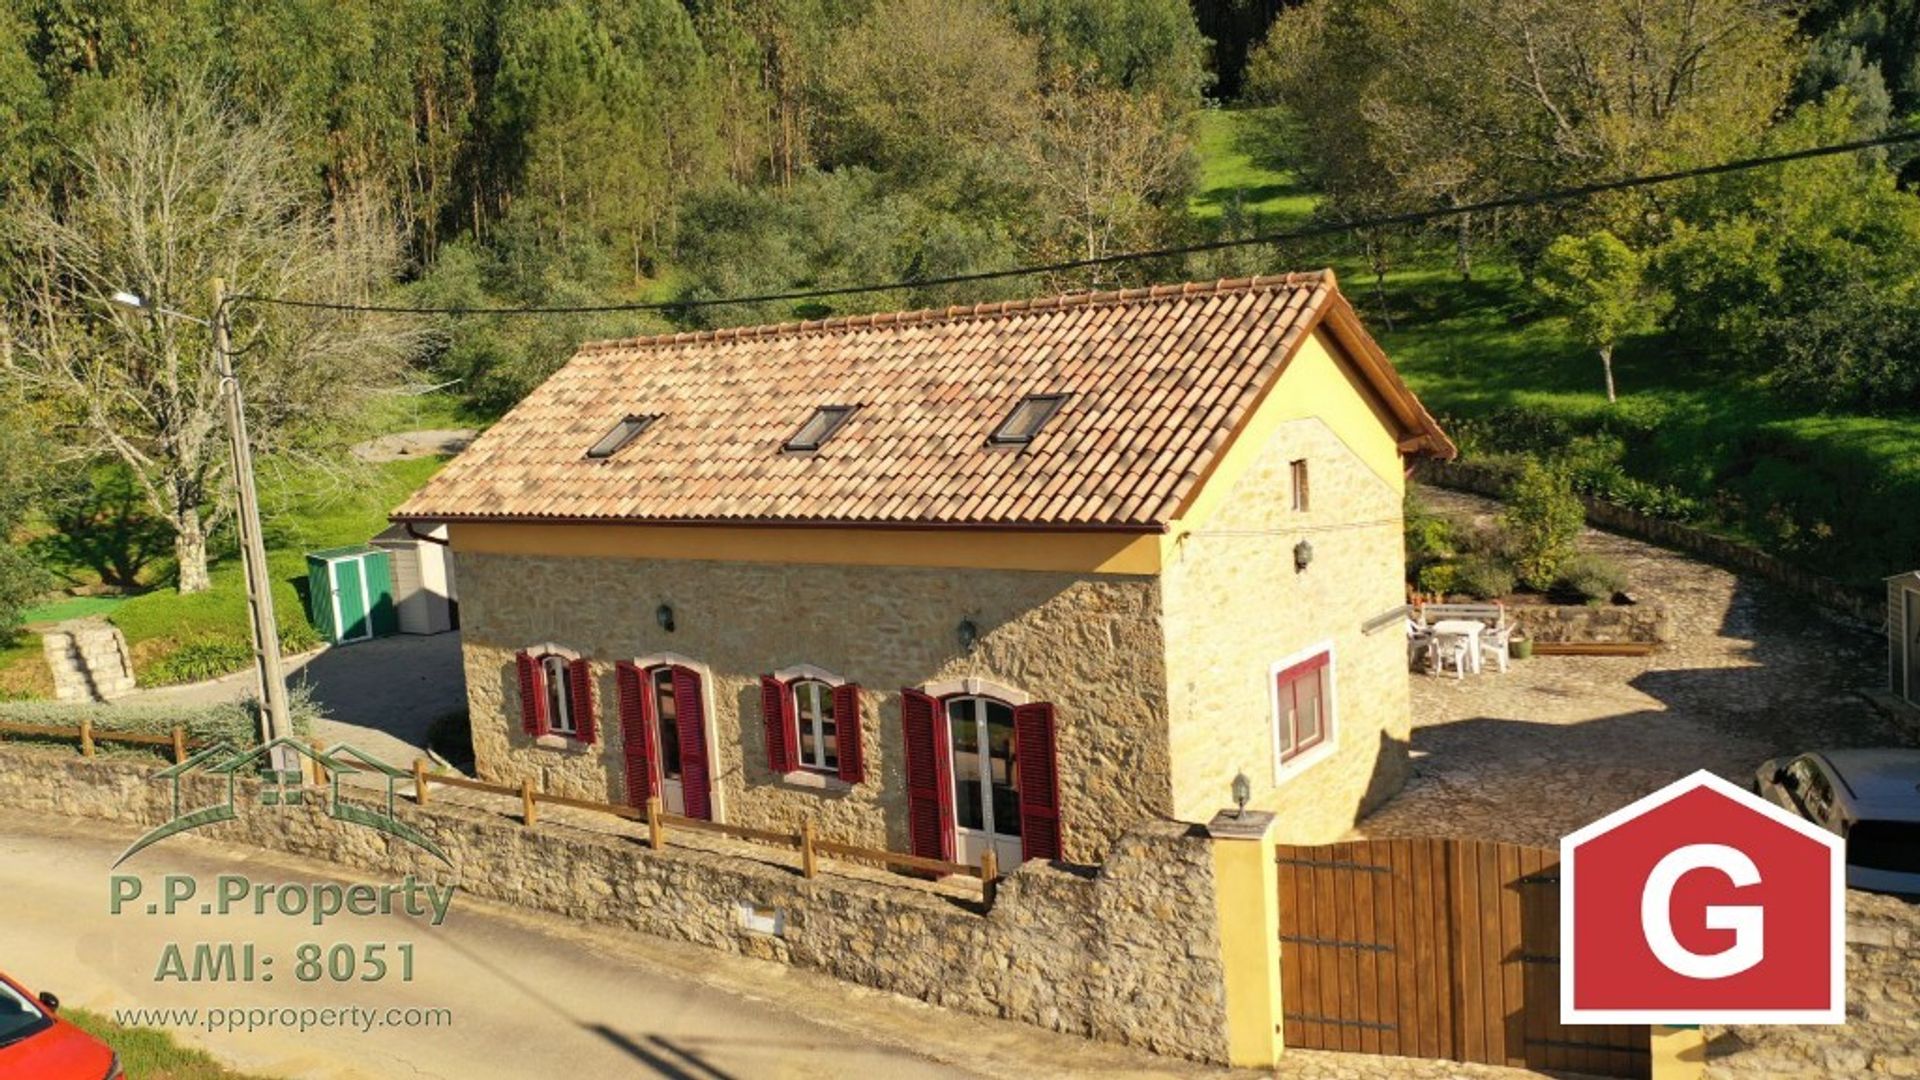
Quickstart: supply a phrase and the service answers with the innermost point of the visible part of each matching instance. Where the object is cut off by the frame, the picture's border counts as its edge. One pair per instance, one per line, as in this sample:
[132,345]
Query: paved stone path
[1527,756]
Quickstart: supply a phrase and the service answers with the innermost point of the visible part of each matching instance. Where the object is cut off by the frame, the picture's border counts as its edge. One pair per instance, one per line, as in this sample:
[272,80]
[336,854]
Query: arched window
[819,743]
[558,676]
[556,693]
[812,722]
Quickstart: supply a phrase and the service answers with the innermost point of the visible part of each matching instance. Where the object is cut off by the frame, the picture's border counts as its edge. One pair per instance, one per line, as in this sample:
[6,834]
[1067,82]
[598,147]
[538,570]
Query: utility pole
[274,722]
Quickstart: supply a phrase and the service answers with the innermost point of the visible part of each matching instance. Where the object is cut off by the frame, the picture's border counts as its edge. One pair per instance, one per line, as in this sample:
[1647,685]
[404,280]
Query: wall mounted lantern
[1302,555]
[664,616]
[1242,791]
[969,635]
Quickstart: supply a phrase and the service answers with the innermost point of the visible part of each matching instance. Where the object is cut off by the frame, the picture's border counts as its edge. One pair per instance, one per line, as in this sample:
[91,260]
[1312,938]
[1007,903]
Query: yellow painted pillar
[1247,894]
[1679,1053]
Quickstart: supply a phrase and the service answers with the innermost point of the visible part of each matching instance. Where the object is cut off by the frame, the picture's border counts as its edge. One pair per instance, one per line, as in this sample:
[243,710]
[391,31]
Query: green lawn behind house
[1247,155]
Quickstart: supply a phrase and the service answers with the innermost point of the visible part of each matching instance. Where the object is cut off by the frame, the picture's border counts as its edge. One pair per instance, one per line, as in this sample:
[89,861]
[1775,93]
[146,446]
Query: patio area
[1558,741]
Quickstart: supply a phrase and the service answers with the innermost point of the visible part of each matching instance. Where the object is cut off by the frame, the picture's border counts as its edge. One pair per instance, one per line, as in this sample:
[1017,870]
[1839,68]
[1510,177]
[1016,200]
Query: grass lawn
[1244,155]
[71,607]
[150,1053]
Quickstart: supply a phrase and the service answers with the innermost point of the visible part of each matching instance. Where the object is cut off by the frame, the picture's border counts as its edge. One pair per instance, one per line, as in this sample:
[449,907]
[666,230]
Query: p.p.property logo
[284,788]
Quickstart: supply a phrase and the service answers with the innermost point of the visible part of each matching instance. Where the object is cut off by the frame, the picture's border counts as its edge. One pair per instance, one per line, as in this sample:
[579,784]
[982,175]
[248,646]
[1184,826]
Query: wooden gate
[1434,948]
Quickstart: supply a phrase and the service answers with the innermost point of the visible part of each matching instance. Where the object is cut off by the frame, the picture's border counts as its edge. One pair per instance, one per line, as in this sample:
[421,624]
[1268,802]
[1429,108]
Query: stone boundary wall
[1128,953]
[1828,593]
[1882,1034]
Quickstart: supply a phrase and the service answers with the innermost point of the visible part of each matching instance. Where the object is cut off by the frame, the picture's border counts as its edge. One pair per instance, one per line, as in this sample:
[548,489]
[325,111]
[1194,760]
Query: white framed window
[558,672]
[819,740]
[1305,719]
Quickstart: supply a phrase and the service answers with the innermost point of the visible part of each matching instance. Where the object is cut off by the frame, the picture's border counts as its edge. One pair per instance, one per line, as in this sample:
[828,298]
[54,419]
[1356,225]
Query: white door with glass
[986,796]
[666,723]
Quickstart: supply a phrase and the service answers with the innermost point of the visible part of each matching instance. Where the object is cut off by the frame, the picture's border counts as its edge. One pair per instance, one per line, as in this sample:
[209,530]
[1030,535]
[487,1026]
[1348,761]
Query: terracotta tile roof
[1158,380]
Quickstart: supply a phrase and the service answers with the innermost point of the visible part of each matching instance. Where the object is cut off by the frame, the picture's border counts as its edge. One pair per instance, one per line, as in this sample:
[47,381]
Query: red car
[36,1043]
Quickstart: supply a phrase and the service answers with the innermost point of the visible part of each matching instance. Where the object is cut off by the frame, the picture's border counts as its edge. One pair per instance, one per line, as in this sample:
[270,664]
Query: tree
[1601,285]
[164,197]
[930,94]
[1107,171]
[23,473]
[1145,47]
[1410,104]
[1805,275]
[1543,518]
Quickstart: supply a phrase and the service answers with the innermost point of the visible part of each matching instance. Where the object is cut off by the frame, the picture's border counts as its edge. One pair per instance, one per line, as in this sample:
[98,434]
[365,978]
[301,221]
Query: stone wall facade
[89,661]
[1237,606]
[1881,1036]
[1090,644]
[1129,955]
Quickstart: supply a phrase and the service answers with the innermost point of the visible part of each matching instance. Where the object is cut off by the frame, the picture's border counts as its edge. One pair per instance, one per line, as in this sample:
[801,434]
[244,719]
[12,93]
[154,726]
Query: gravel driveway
[1557,742]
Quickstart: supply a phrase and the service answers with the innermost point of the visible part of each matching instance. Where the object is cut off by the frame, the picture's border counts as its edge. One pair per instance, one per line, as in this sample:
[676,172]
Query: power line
[1305,232]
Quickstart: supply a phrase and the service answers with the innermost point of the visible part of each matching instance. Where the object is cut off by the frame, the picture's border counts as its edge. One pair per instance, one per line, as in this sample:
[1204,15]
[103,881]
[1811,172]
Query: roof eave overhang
[1421,433]
[1137,528]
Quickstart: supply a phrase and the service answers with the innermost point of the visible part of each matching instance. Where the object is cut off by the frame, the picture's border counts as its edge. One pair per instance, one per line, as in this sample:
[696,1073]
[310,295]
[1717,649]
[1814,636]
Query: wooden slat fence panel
[1434,948]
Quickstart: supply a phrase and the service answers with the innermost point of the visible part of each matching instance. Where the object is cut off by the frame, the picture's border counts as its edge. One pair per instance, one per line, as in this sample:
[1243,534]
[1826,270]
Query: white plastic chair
[1451,649]
[1497,640]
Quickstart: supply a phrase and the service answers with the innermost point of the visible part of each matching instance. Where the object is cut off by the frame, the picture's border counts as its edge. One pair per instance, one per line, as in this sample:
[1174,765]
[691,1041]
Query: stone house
[1020,575]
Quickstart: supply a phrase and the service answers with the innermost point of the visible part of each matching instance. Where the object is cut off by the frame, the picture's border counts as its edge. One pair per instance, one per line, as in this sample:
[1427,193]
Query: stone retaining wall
[1882,1034]
[1825,591]
[1129,953]
[1646,621]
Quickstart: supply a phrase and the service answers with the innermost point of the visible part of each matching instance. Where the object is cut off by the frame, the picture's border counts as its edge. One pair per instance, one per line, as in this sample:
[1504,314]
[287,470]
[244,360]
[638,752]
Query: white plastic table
[1467,628]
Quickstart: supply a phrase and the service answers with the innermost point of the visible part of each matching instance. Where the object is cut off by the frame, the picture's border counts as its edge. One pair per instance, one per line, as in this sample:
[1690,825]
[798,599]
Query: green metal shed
[350,593]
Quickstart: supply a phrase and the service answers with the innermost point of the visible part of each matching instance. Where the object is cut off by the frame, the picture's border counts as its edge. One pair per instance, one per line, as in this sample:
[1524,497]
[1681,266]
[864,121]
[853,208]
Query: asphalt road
[528,998]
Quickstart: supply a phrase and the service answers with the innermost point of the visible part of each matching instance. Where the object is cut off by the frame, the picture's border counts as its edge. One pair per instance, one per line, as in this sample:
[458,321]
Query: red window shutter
[533,694]
[1039,777]
[777,713]
[846,721]
[929,800]
[636,730]
[580,675]
[690,709]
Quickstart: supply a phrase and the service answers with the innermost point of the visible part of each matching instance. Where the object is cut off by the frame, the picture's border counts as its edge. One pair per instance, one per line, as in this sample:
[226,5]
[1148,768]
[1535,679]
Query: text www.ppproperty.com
[351,1018]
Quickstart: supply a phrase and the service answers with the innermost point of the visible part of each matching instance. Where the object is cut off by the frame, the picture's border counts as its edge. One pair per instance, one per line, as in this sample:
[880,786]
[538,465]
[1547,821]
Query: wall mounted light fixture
[969,635]
[1302,555]
[664,616]
[1242,791]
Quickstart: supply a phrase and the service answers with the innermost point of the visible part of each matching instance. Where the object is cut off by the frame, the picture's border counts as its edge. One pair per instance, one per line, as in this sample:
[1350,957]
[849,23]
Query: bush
[206,658]
[1543,519]
[1430,538]
[1439,579]
[234,721]
[1483,577]
[1591,578]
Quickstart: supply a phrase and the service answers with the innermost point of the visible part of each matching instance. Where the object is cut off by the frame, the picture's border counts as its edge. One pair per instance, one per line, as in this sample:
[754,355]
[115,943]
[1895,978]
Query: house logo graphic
[284,789]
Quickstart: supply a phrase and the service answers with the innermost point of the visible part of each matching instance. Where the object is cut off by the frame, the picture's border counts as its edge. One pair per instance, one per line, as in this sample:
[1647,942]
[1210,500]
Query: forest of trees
[516,152]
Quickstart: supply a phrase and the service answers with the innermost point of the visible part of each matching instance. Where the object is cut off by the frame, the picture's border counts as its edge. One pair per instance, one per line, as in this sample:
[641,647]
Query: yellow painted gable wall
[1235,606]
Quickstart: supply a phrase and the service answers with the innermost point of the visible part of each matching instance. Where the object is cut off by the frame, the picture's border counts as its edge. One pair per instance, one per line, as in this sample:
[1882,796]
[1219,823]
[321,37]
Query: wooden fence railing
[88,735]
[660,824]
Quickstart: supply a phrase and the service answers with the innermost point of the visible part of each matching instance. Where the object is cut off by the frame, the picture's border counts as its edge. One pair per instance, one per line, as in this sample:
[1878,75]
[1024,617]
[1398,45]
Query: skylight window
[819,428]
[624,432]
[1026,419]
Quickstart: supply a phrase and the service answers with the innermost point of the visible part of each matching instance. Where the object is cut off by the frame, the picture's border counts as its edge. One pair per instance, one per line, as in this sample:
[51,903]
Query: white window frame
[716,790]
[556,671]
[808,774]
[1284,771]
[822,699]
